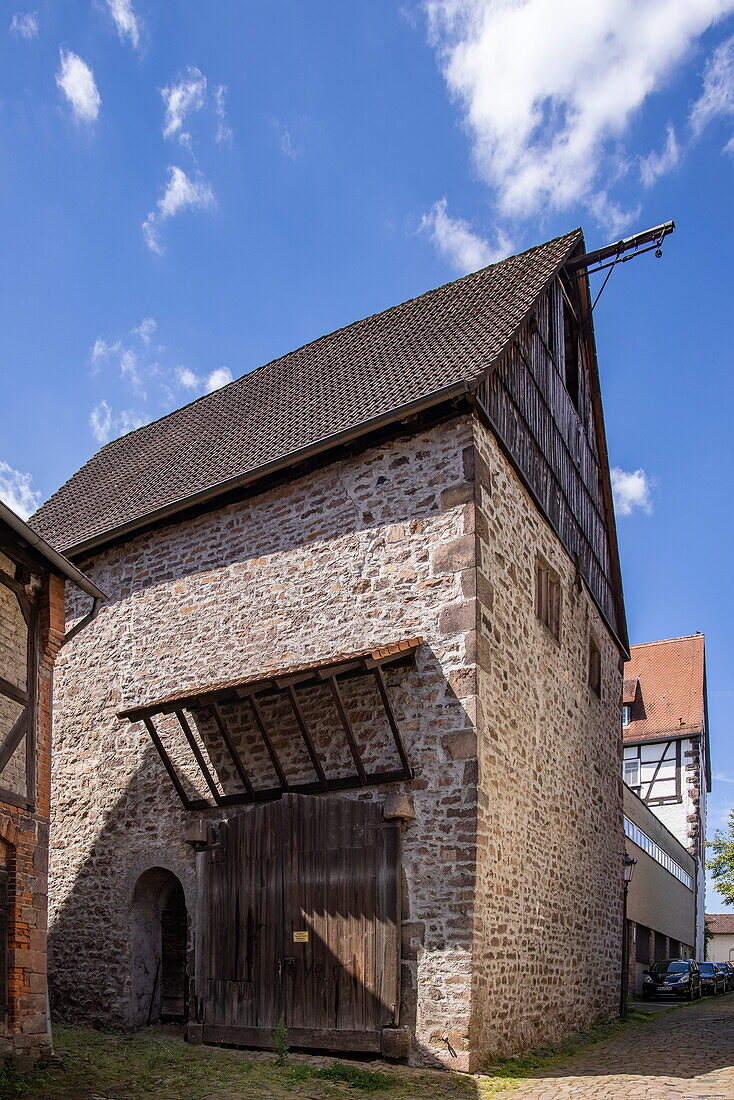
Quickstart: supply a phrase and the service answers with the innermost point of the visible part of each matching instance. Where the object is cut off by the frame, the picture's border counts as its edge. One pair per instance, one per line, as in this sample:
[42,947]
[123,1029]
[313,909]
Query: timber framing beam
[251,694]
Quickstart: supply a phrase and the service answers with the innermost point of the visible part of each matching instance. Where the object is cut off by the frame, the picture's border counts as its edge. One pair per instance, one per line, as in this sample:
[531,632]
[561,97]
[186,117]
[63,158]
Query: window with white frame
[632,773]
[642,840]
[626,715]
[653,771]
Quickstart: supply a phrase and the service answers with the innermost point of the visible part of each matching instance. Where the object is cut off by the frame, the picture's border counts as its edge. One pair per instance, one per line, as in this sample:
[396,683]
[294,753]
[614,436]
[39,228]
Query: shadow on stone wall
[104,948]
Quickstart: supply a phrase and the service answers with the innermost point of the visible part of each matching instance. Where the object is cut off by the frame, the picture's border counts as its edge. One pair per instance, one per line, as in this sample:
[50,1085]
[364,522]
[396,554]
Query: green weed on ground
[362,1081]
[98,1065]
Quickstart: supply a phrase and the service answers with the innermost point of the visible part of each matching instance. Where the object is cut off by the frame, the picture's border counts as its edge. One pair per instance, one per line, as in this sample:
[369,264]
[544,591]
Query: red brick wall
[24,852]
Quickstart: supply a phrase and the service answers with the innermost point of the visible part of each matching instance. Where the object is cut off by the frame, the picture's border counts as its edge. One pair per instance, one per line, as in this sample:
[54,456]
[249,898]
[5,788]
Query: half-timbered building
[32,626]
[342,746]
[666,751]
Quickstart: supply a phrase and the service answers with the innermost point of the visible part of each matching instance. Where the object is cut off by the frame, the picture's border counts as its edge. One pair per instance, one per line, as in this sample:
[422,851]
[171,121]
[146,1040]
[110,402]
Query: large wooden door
[299,908]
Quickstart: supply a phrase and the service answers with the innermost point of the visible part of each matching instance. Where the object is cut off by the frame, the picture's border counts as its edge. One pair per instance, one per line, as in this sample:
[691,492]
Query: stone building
[32,625]
[341,745]
[666,747]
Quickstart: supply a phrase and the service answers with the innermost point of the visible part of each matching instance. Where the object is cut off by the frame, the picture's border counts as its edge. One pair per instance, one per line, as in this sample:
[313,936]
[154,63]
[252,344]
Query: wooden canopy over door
[298,917]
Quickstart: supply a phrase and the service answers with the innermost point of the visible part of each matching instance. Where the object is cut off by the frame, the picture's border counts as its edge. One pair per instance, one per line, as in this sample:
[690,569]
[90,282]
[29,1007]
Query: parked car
[712,979]
[727,970]
[672,978]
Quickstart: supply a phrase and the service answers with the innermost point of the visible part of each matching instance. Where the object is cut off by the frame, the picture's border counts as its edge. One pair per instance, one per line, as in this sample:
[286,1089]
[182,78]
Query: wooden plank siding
[299,918]
[554,444]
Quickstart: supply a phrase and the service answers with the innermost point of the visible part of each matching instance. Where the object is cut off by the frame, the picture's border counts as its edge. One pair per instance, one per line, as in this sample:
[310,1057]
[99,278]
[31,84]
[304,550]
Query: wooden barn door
[299,907]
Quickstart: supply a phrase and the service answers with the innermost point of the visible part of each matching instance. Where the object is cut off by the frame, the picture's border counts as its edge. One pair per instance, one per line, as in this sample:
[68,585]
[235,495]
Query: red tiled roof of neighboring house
[671,695]
[339,386]
[720,924]
[629,690]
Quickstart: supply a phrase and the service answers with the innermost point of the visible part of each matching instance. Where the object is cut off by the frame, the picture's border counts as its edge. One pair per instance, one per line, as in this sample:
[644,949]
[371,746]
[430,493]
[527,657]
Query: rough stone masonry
[510,883]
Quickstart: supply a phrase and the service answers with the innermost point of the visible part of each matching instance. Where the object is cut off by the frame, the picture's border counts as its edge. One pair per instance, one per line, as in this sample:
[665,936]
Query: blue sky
[188,190]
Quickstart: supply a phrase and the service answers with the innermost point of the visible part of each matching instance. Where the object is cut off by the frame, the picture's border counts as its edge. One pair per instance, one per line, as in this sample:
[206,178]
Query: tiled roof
[720,924]
[629,690]
[341,382]
[671,696]
[387,653]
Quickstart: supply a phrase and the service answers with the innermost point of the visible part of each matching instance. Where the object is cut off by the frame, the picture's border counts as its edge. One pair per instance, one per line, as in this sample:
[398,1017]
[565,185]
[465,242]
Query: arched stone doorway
[159,943]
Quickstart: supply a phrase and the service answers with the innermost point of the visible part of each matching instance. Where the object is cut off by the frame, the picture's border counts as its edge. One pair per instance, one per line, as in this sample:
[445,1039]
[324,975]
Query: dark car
[727,969]
[672,978]
[712,979]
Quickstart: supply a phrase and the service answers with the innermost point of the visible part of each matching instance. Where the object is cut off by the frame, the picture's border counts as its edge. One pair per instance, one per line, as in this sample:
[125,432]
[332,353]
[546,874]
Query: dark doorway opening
[173,957]
[159,949]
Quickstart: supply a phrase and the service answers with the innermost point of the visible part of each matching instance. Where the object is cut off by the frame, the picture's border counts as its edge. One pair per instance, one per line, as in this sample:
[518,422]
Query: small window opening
[626,715]
[631,774]
[548,597]
[571,354]
[594,667]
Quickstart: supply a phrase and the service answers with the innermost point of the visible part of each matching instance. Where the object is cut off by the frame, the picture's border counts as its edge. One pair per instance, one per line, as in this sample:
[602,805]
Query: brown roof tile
[337,384]
[629,690]
[671,697]
[720,924]
[387,653]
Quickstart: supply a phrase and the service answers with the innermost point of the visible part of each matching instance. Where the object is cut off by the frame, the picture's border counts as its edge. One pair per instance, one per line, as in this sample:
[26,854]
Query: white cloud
[147,386]
[609,214]
[217,379]
[224,132]
[456,241]
[107,425]
[717,97]
[130,371]
[16,490]
[181,193]
[548,91]
[126,21]
[76,81]
[24,25]
[145,330]
[187,378]
[655,165]
[631,490]
[181,99]
[288,146]
[208,383]
[102,350]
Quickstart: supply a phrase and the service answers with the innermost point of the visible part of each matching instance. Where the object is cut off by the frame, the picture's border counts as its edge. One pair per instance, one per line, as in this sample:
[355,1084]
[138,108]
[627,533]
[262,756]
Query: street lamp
[629,870]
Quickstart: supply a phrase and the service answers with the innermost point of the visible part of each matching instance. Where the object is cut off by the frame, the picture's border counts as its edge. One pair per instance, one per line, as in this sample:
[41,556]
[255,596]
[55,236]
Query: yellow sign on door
[300,937]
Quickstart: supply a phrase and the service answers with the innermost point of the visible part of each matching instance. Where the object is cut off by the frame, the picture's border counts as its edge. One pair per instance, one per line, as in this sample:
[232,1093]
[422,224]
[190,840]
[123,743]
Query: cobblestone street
[687,1054]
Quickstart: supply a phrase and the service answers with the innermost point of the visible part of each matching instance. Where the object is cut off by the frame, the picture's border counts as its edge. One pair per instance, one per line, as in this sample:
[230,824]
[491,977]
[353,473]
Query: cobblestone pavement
[686,1055]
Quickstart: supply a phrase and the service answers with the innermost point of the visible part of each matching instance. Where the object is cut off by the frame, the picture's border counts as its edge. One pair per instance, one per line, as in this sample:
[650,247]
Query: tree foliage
[721,863]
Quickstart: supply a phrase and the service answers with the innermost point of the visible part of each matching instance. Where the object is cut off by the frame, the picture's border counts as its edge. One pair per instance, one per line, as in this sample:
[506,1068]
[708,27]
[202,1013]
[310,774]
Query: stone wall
[549,834]
[430,536]
[24,1031]
[364,552]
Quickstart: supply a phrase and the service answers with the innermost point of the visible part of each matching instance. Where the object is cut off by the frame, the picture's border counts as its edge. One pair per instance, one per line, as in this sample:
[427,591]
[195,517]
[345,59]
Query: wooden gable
[542,400]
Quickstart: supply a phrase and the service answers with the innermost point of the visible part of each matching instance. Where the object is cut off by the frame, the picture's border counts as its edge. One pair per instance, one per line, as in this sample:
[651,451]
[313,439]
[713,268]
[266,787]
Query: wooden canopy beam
[382,688]
[305,734]
[198,756]
[347,725]
[167,764]
[260,723]
[239,766]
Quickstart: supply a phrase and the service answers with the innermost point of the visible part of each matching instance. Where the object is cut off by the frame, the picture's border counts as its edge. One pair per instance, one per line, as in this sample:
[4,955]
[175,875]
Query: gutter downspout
[85,621]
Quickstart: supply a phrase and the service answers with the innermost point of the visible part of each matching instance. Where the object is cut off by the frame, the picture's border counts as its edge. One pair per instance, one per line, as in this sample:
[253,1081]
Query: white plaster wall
[721,949]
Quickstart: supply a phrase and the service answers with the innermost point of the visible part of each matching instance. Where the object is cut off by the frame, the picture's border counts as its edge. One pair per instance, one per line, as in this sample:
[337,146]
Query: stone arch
[160,933]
